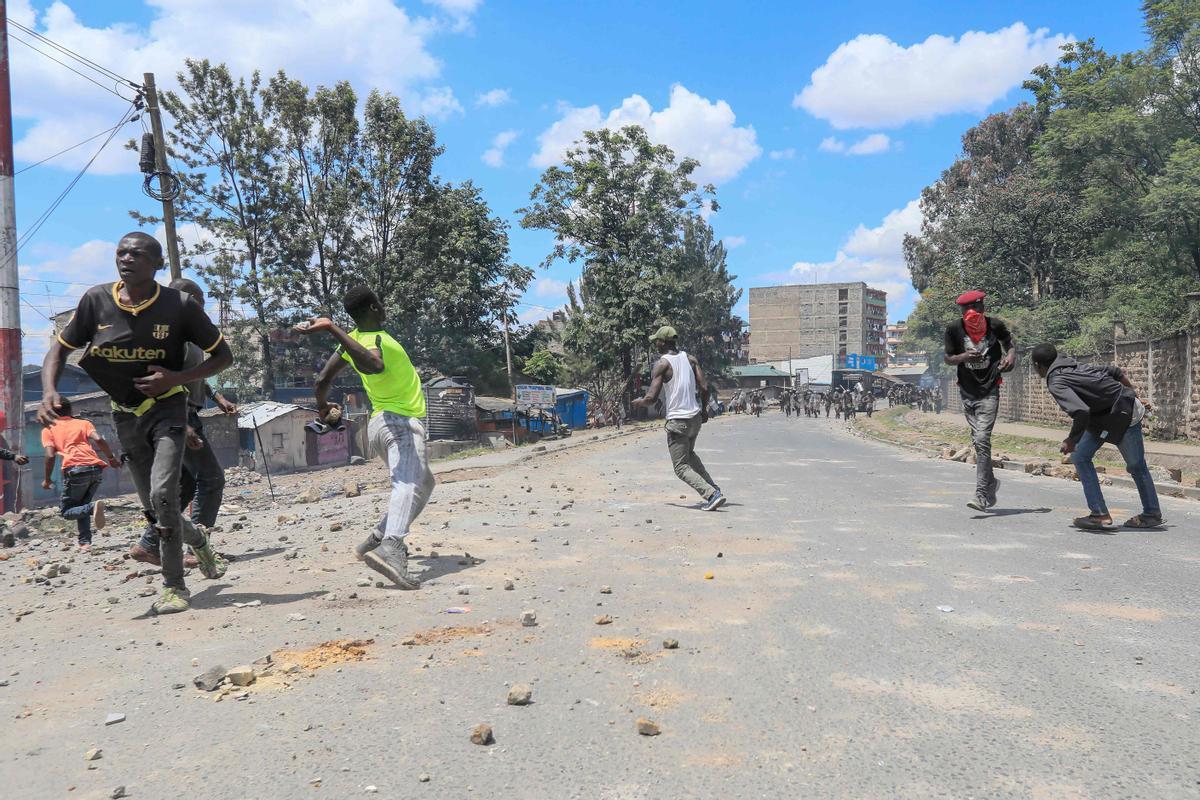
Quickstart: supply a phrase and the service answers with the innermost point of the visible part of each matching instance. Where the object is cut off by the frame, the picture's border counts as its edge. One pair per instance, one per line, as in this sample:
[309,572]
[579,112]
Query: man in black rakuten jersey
[135,334]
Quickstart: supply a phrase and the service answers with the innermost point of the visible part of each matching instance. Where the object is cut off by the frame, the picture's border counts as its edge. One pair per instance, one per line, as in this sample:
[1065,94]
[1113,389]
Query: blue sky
[820,123]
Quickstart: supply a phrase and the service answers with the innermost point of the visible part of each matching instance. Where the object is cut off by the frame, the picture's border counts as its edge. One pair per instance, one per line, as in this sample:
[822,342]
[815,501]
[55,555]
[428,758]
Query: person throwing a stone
[134,333]
[681,377]
[1103,407]
[982,348]
[396,430]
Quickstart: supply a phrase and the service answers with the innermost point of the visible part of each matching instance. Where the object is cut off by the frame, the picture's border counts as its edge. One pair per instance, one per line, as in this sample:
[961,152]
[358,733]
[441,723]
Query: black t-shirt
[976,380]
[124,341]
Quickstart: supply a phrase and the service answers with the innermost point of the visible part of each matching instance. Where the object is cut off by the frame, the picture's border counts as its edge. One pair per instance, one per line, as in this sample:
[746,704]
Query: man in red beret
[982,348]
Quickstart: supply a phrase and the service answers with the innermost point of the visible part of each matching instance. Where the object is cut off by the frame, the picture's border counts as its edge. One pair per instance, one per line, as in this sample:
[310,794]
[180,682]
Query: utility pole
[511,384]
[12,408]
[160,166]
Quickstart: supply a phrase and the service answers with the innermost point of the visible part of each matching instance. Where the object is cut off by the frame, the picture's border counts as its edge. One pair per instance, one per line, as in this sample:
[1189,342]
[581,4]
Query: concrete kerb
[1165,489]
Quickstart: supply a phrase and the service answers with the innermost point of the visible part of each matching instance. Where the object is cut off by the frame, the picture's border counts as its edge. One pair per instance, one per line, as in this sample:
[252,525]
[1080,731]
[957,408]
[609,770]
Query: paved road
[815,663]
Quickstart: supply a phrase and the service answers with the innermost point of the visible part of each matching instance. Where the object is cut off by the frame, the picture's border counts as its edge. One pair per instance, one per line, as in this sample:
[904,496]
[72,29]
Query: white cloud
[550,287]
[691,125]
[870,81]
[873,255]
[493,98]
[787,154]
[439,103]
[867,146]
[372,43]
[733,241]
[494,155]
[832,144]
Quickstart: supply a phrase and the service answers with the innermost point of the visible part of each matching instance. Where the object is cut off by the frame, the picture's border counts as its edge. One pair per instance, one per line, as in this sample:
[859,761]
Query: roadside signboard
[531,395]
[855,361]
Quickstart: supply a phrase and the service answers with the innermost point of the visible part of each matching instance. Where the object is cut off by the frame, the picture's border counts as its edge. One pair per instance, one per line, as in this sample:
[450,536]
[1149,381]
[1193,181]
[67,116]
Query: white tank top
[680,399]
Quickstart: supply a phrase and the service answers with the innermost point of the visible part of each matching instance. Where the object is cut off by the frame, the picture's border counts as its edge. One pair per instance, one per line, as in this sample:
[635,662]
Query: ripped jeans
[154,444]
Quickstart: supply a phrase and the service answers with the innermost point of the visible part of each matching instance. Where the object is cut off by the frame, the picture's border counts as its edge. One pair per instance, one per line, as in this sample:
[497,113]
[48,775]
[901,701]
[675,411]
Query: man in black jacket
[1103,407]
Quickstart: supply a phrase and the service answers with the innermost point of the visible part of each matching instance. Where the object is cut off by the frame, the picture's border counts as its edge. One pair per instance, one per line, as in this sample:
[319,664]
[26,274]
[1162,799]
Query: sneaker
[98,515]
[367,545]
[211,565]
[390,559]
[172,601]
[980,503]
[139,552]
[714,502]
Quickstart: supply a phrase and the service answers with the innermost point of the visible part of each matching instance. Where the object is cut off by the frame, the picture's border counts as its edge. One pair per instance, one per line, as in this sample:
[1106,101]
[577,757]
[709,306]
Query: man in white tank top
[681,377]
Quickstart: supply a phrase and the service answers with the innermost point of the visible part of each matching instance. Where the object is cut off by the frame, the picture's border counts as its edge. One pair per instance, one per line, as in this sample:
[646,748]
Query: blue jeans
[79,487]
[1133,450]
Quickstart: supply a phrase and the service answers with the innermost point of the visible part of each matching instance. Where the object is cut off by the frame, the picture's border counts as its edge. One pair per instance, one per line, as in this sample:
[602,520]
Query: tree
[699,297]
[234,189]
[395,162]
[543,367]
[618,205]
[319,160]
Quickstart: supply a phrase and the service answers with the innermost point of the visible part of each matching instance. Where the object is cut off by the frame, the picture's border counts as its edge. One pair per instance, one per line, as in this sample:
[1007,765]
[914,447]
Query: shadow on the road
[1096,531]
[442,566]
[250,555]
[1011,512]
[696,506]
[211,596]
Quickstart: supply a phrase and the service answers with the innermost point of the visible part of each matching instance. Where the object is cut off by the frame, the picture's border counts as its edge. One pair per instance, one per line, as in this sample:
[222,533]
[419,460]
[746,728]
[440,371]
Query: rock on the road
[482,734]
[647,728]
[210,679]
[520,695]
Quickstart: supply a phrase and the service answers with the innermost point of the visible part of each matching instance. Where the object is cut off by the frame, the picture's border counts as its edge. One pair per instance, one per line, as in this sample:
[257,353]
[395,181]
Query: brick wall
[1165,371]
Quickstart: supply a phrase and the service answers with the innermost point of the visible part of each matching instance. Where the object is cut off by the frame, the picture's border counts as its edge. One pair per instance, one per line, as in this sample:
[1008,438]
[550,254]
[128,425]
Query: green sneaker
[211,565]
[172,601]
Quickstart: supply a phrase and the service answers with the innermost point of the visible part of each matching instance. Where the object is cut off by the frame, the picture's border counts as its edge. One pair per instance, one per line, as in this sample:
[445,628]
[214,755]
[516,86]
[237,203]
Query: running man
[202,479]
[135,332]
[1103,407]
[85,454]
[974,344]
[682,377]
[395,429]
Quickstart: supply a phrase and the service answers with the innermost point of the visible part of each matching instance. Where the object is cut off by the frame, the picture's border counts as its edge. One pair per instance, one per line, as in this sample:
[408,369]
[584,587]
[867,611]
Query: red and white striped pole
[11,405]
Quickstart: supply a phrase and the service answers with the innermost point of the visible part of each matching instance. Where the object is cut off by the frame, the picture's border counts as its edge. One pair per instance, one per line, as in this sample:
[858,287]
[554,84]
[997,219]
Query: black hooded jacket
[1093,396]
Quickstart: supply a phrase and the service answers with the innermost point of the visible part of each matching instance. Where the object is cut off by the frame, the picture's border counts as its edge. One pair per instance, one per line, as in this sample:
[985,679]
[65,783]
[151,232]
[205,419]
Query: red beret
[966,298]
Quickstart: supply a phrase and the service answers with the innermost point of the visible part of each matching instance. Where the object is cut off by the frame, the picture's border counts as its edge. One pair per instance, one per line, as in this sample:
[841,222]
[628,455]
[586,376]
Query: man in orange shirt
[78,441]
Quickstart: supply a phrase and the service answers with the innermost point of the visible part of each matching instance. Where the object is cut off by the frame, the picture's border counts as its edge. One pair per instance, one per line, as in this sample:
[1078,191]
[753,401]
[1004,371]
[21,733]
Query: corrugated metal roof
[494,404]
[758,371]
[263,412]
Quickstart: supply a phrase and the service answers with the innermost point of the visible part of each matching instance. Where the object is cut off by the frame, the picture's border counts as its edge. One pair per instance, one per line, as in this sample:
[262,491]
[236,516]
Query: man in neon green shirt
[395,429]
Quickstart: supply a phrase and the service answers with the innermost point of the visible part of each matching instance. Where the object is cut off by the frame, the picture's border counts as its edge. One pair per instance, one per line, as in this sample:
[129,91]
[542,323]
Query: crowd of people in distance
[906,394]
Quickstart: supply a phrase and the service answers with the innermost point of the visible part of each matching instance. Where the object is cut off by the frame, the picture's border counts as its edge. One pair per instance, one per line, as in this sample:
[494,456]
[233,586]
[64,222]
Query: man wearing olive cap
[982,348]
[682,377]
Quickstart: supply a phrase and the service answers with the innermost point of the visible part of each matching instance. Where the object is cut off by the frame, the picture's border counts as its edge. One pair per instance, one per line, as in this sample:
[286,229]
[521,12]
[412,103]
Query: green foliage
[299,200]
[543,367]
[1083,208]
[628,211]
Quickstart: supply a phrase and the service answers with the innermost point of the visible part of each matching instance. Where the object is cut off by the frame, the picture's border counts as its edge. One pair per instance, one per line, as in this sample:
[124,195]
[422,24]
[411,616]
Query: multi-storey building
[801,321]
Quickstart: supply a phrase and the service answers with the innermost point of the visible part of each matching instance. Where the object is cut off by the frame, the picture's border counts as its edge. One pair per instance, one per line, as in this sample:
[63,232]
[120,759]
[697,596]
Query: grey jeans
[154,444]
[400,440]
[981,416]
[681,442]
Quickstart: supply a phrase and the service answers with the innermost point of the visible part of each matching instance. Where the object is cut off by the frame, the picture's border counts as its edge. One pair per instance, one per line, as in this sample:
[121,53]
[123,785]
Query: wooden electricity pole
[160,166]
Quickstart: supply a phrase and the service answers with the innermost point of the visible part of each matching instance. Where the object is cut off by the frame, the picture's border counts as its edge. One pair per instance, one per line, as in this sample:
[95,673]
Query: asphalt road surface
[863,635]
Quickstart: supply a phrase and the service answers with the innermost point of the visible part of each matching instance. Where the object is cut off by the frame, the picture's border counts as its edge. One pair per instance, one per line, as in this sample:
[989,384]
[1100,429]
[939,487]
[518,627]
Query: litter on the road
[458,610]
[945,609]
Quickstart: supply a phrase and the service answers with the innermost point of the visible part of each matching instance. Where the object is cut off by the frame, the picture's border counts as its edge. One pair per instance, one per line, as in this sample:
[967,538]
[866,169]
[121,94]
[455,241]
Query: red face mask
[975,324]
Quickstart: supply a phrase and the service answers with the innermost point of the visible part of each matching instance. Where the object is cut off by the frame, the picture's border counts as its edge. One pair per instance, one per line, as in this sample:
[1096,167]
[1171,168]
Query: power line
[67,66]
[105,71]
[25,238]
[66,150]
